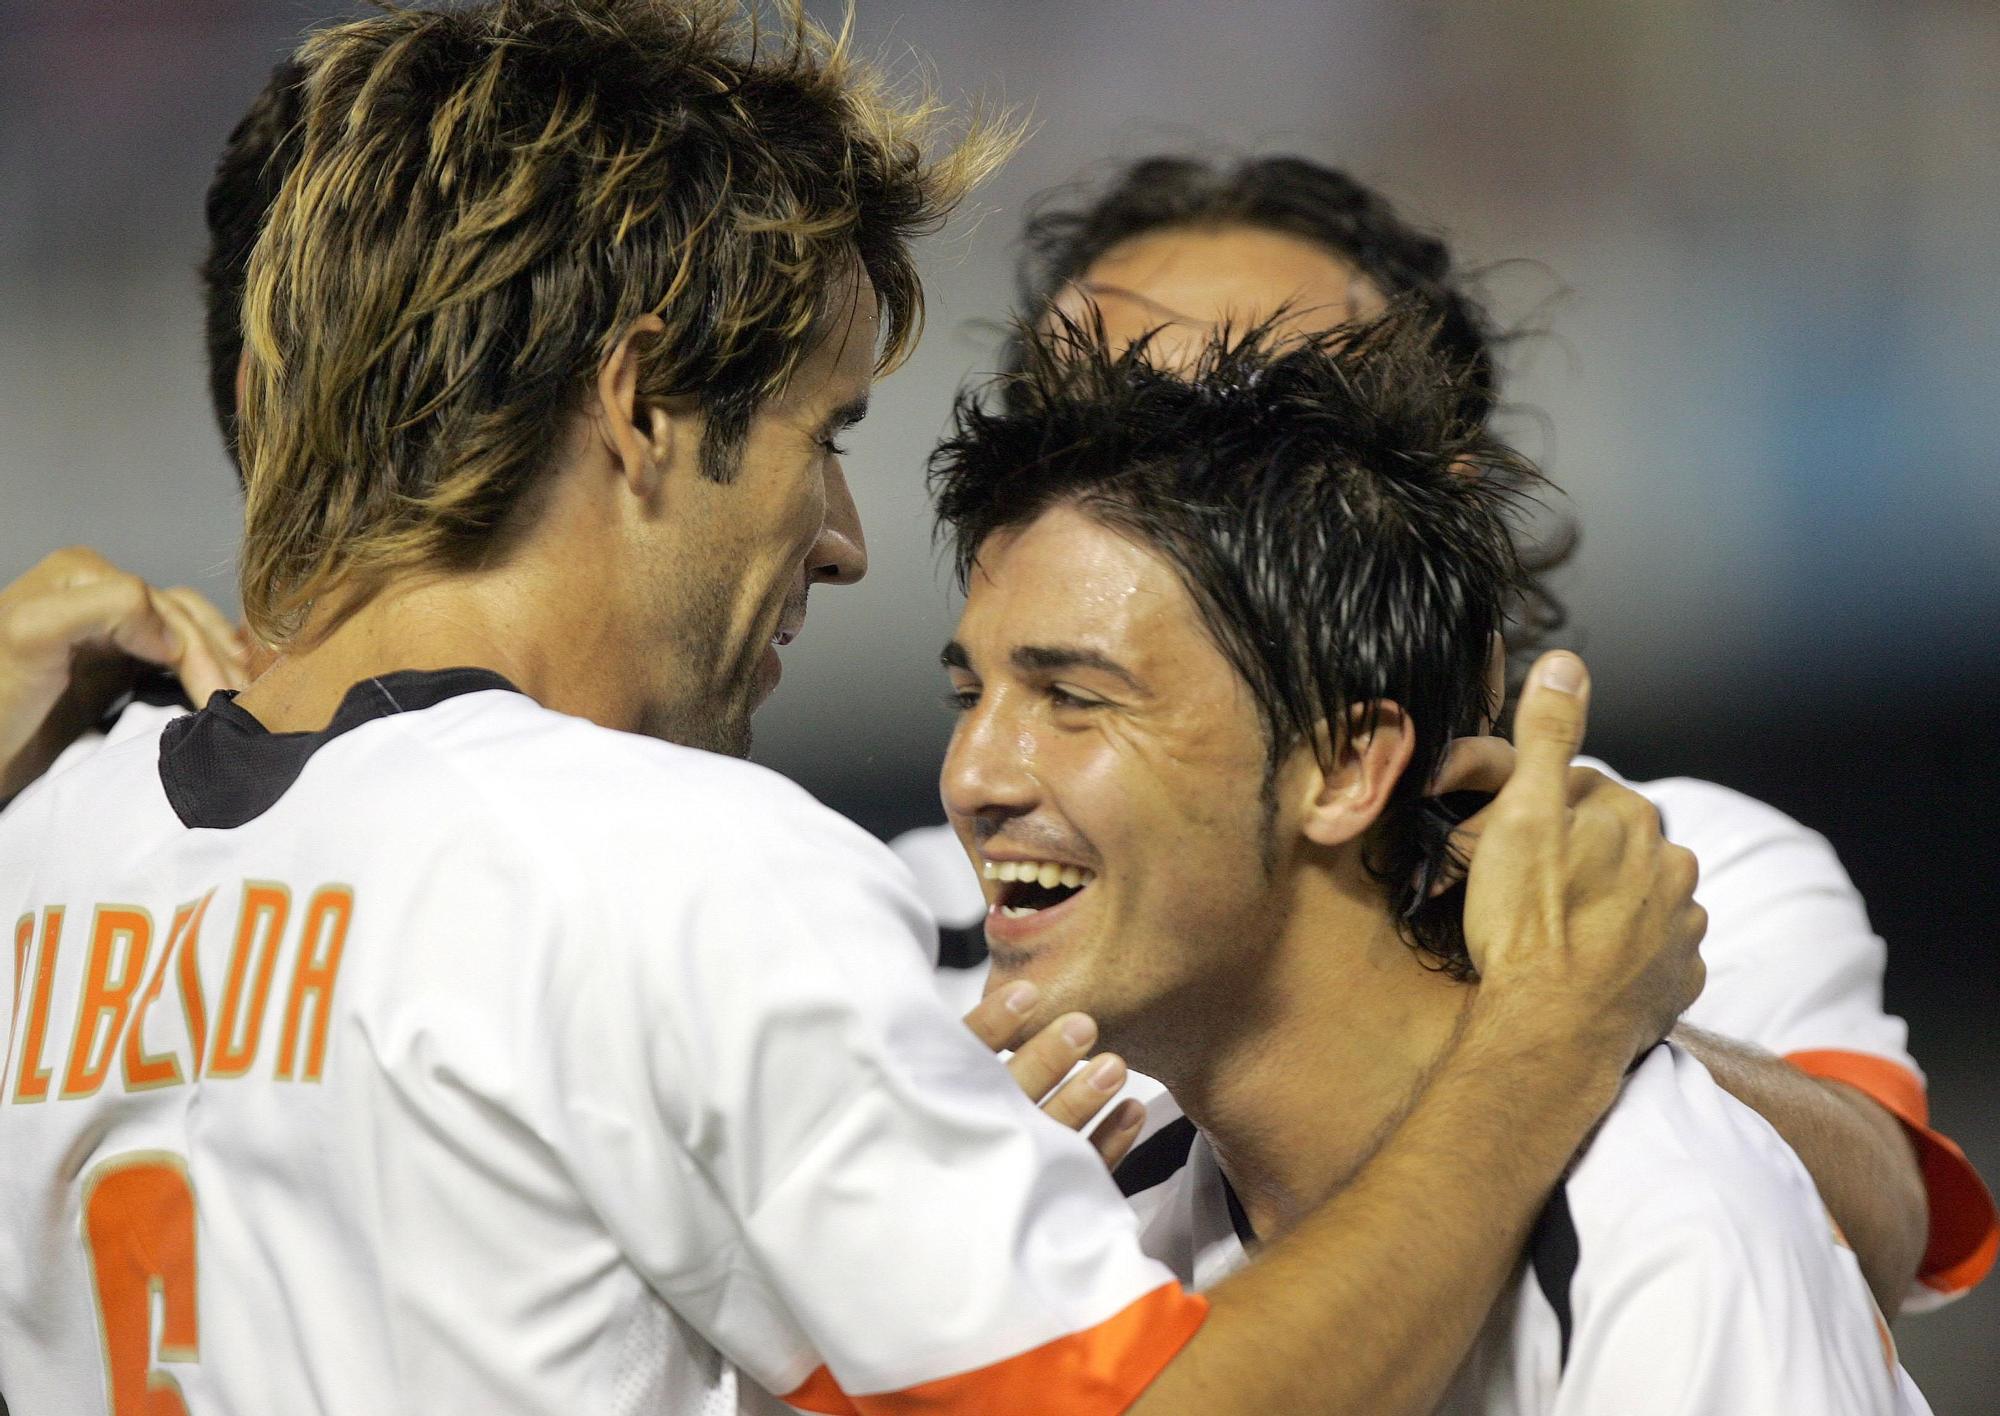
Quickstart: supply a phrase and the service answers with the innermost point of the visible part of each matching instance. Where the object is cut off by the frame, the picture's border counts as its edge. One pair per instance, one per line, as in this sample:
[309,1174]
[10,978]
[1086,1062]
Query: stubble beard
[709,708]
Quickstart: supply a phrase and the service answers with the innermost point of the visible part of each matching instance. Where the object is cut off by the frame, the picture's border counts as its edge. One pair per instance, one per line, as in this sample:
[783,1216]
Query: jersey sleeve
[1689,1328]
[1711,1279]
[1795,967]
[823,1171]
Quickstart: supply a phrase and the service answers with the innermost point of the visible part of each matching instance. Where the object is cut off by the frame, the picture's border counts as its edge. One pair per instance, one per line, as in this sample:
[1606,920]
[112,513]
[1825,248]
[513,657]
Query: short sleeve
[1711,1278]
[1794,967]
[818,1167]
[1687,1324]
[1793,963]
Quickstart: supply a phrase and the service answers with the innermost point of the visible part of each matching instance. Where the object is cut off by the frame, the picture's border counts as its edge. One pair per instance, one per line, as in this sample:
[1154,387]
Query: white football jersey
[1793,967]
[1685,1267]
[467,1057]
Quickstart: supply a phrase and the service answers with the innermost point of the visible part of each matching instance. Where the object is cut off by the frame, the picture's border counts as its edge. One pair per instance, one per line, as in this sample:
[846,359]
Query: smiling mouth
[1027,887]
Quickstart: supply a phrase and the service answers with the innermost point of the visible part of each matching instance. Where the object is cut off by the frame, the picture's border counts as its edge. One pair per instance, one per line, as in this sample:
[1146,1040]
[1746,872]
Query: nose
[989,767]
[840,555]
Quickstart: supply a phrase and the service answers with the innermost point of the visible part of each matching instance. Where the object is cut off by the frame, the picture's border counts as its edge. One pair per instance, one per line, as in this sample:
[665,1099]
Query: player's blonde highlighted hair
[482,200]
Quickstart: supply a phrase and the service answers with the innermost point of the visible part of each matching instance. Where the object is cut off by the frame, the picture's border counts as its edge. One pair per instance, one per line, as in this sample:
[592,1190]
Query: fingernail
[1563,673]
[1078,1031]
[1102,1074]
[1019,997]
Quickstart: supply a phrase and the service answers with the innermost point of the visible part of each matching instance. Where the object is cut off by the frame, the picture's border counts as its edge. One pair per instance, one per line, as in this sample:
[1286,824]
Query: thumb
[1549,724]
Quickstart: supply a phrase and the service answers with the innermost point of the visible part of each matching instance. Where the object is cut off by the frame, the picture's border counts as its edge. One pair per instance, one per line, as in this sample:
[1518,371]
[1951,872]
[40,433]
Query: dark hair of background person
[1313,499]
[485,198]
[253,165]
[1296,197]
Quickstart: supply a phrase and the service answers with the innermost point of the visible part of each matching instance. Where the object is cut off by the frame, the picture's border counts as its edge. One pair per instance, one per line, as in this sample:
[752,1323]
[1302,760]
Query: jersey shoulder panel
[1793,963]
[1705,1251]
[655,823]
[1676,1146]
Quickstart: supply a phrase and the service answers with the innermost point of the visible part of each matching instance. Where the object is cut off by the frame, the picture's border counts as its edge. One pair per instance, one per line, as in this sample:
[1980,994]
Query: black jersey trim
[151,685]
[961,946]
[221,768]
[1157,1158]
[1239,1218]
[1163,1155]
[1553,1252]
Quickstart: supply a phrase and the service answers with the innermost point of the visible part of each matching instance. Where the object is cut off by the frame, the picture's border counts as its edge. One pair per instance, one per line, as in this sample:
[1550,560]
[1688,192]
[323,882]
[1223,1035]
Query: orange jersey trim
[1097,1372]
[1965,1228]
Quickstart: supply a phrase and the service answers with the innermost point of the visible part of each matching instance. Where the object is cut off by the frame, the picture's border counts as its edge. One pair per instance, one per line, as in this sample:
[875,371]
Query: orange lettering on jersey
[24,935]
[187,974]
[34,1082]
[258,930]
[144,1071]
[325,936]
[120,937]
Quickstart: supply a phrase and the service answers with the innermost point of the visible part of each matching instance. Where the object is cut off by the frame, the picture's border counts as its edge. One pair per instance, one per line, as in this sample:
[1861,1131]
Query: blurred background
[1760,245]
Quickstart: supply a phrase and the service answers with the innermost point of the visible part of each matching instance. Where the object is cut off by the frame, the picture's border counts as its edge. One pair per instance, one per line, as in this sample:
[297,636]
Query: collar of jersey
[221,768]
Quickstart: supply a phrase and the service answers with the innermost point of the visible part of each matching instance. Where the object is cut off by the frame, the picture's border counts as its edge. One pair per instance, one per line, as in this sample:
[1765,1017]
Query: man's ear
[642,436]
[1364,761]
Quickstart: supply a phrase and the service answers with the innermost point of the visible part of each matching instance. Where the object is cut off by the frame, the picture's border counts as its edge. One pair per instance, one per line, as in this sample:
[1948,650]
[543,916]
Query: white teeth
[1016,911]
[1047,874]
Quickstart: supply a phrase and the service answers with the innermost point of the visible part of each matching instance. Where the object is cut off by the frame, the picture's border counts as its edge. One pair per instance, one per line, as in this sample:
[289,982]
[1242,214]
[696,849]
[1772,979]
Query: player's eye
[1063,698]
[832,446]
[962,700]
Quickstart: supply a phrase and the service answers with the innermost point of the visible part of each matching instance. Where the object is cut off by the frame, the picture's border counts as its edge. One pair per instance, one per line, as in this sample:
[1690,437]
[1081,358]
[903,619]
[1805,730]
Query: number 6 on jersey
[138,1228]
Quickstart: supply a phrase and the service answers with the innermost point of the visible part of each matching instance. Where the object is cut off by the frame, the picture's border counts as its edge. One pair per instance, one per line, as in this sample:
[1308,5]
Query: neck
[521,621]
[1321,1063]
[552,617]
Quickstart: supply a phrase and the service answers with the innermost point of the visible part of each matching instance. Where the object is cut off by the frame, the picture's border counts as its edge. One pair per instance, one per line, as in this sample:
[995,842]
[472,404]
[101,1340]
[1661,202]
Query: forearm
[69,720]
[1371,1303]
[1858,1154]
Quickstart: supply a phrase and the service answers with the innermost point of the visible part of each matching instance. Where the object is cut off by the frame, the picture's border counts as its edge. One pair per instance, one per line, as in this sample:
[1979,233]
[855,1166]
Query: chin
[707,728]
[1060,992]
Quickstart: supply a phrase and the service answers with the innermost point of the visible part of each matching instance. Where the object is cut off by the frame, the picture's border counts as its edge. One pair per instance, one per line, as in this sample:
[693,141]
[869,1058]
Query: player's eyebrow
[847,415]
[1047,659]
[1055,658]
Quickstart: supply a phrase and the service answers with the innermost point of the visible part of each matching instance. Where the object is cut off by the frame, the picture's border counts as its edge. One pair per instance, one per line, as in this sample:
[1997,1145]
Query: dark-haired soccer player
[1217,637]
[429,1028]
[1175,245]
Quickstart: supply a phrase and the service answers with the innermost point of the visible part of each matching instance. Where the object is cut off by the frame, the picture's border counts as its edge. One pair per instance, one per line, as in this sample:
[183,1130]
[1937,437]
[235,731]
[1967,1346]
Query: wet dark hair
[1297,197]
[1313,497]
[253,166]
